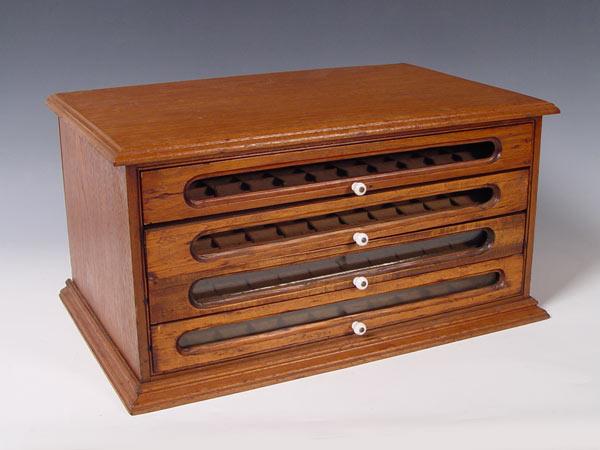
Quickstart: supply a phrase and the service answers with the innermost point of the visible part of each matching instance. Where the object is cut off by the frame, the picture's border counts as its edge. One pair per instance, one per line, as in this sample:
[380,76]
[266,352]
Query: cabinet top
[244,115]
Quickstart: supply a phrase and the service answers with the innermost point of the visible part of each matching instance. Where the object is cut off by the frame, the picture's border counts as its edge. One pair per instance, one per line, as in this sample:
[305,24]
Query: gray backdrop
[540,384]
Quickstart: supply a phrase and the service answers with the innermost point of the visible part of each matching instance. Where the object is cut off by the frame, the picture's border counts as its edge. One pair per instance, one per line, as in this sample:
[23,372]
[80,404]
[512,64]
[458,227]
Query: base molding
[164,391]
[120,375]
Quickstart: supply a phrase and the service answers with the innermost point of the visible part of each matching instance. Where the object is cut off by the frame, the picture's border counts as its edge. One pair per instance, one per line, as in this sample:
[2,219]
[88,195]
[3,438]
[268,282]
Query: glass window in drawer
[217,290]
[343,273]
[222,337]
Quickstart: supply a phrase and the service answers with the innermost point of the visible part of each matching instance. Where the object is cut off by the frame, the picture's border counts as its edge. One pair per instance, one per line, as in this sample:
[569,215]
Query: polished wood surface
[245,115]
[169,298]
[168,248]
[532,206]
[120,374]
[101,245]
[214,380]
[167,355]
[163,189]
[142,234]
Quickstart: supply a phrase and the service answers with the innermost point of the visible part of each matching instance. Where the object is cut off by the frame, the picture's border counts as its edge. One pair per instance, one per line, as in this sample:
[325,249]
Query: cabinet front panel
[393,256]
[324,228]
[257,182]
[215,338]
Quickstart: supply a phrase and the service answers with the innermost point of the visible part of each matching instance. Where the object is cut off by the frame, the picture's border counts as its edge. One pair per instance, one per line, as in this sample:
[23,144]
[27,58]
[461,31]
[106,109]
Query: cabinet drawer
[261,181]
[229,245]
[339,274]
[215,338]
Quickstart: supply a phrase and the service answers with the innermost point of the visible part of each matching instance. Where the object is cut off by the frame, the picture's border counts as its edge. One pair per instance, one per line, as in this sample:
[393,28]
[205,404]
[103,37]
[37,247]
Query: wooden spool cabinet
[232,233]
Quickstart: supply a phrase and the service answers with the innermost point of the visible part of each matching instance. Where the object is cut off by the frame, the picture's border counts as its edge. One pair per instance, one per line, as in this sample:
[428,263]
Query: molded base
[186,386]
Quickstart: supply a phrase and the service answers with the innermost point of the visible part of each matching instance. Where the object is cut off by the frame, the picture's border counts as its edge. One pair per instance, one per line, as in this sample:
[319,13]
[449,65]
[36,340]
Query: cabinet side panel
[532,207]
[99,238]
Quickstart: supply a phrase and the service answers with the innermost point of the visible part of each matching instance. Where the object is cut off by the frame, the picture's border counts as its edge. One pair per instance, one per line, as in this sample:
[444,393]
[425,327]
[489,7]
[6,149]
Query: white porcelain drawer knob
[361,239]
[359,328]
[359,188]
[361,283]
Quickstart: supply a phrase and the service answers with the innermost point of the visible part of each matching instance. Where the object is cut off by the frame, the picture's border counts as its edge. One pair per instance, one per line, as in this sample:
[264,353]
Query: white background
[533,387]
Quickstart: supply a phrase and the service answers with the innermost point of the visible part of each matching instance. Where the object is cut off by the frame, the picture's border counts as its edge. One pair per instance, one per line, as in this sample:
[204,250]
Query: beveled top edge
[119,153]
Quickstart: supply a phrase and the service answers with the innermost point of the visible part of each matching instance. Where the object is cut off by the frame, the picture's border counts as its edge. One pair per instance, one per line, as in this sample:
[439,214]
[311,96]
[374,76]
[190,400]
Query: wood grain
[168,357]
[169,298]
[163,190]
[235,116]
[130,227]
[116,367]
[138,268]
[100,242]
[168,248]
[165,391]
[532,206]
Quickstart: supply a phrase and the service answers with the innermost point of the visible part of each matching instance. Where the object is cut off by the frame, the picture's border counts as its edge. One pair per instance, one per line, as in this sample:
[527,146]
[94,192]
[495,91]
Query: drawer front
[228,186]
[219,337]
[339,274]
[228,245]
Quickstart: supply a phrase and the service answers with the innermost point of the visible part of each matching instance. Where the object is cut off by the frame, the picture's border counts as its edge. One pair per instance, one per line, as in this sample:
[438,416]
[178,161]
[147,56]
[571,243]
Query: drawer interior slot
[208,292]
[284,320]
[239,238]
[199,190]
